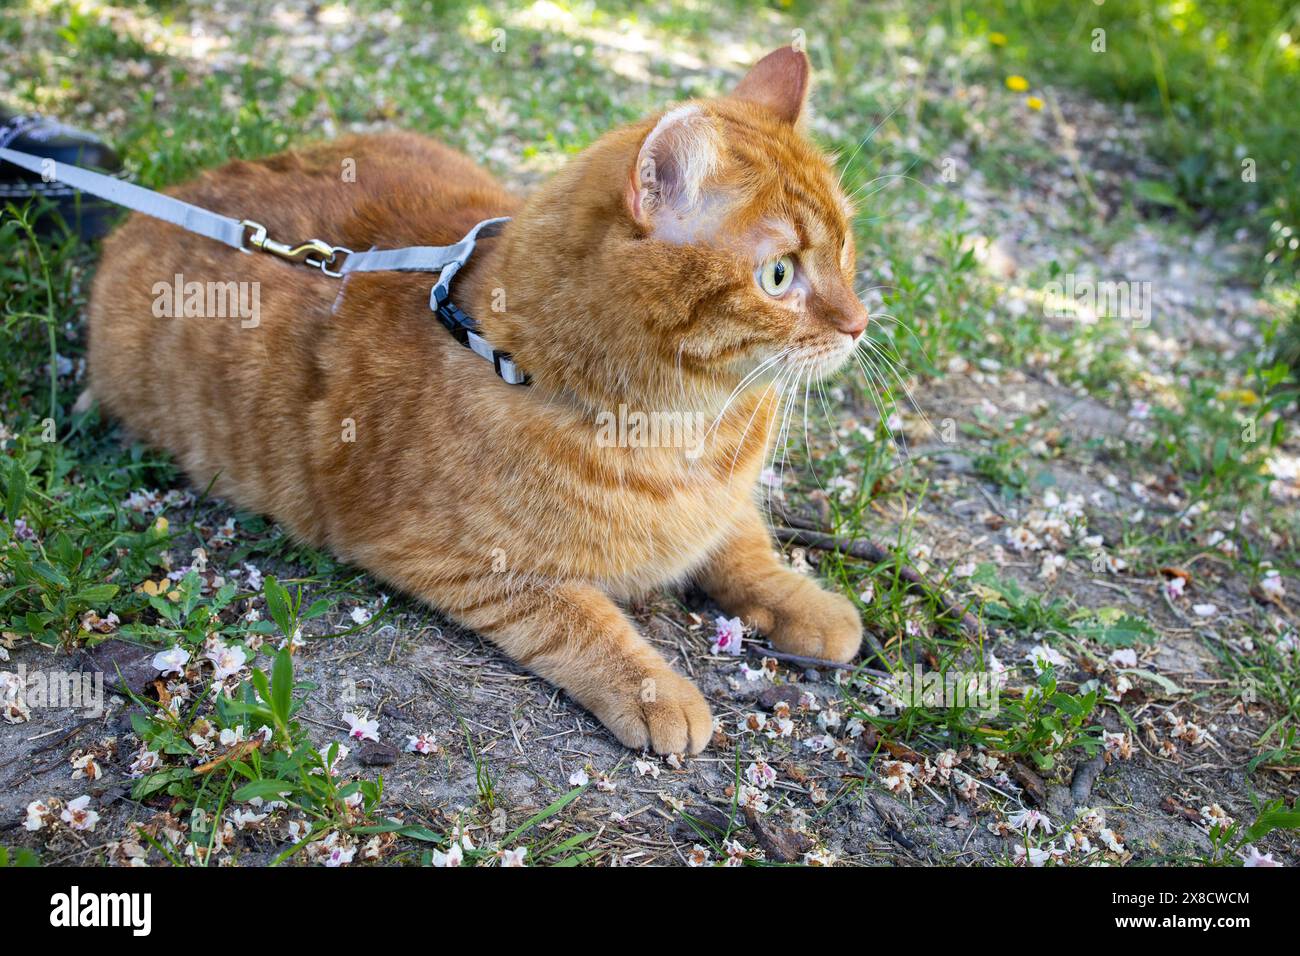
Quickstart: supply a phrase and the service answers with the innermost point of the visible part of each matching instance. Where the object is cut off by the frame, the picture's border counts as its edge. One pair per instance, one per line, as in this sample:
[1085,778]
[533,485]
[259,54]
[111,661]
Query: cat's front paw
[812,623]
[663,712]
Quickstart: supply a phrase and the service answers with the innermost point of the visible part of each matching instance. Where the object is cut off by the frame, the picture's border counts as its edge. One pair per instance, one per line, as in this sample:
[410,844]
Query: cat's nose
[852,321]
[840,309]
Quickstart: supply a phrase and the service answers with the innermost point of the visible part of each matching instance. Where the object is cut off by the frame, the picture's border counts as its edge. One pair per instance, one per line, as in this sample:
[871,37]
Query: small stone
[376,753]
[769,697]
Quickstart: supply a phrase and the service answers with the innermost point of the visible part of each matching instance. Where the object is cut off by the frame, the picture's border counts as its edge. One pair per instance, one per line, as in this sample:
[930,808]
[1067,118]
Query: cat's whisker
[766,363]
[898,323]
[777,422]
[910,166]
[898,372]
[771,464]
[876,129]
[826,412]
[874,392]
[783,438]
[882,178]
[771,482]
[885,178]
[875,288]
[681,382]
[892,177]
[898,440]
[740,445]
[873,376]
[807,438]
[782,380]
[767,443]
[870,355]
[831,427]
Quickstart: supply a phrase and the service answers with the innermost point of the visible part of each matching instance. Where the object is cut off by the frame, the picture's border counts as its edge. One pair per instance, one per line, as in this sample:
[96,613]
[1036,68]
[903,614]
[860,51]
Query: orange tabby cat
[657,271]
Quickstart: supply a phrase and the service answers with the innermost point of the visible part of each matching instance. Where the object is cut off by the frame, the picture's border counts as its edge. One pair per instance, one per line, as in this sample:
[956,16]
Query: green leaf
[257,714]
[1169,686]
[317,608]
[1158,193]
[21,856]
[550,811]
[411,830]
[282,686]
[277,604]
[263,687]
[1112,626]
[50,574]
[17,491]
[147,786]
[1274,818]
[266,789]
[97,594]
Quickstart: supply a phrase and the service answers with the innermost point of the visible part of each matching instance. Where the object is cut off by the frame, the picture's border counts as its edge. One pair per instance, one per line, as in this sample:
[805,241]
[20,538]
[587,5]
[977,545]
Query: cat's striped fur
[629,278]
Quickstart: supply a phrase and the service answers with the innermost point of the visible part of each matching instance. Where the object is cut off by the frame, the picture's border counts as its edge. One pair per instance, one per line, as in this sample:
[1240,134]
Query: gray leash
[248,236]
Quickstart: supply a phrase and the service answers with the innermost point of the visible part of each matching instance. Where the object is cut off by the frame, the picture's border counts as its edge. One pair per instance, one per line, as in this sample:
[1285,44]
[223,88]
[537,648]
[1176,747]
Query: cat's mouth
[822,360]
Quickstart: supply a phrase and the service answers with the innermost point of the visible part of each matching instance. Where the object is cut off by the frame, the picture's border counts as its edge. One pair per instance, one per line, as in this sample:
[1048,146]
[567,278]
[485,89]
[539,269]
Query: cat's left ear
[779,82]
[675,160]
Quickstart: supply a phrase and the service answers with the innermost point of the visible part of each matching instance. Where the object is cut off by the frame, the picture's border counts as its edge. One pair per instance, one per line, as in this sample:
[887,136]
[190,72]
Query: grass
[74,550]
[1215,81]
[1216,77]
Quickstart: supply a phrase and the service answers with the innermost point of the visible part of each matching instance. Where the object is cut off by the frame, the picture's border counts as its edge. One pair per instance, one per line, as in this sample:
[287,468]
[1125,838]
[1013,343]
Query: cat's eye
[776,275]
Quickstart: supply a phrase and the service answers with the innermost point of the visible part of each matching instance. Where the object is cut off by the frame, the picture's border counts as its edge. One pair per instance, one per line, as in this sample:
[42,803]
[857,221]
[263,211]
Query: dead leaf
[238,751]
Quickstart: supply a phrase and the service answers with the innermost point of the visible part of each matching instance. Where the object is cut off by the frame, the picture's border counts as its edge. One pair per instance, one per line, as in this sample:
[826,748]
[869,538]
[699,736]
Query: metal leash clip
[259,239]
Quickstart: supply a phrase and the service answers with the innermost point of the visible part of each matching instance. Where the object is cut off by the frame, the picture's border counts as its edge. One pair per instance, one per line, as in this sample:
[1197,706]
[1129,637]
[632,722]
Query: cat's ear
[675,159]
[779,82]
